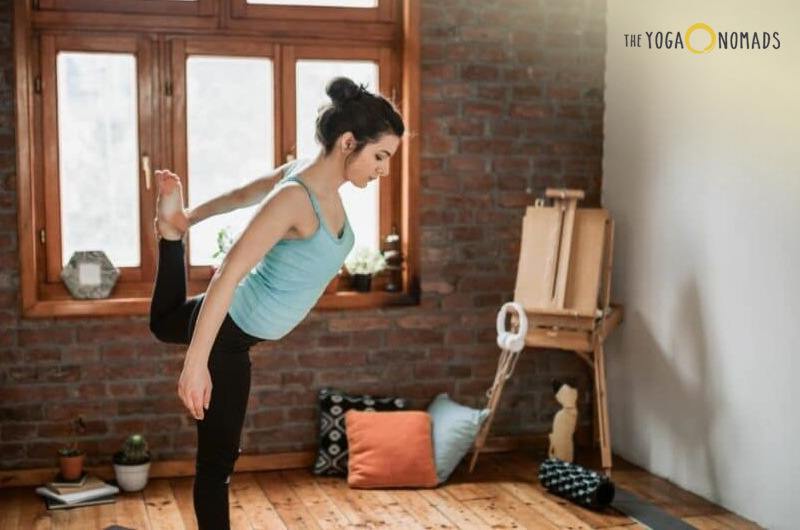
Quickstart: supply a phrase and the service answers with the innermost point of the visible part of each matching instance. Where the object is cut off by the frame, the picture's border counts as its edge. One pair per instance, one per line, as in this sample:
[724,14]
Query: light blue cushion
[454,430]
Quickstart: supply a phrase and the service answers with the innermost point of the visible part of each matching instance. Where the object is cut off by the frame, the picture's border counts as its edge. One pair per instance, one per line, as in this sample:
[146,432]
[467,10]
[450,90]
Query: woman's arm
[241,197]
[280,212]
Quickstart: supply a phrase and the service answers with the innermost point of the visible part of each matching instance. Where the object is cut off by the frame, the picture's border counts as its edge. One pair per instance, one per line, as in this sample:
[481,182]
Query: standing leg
[219,432]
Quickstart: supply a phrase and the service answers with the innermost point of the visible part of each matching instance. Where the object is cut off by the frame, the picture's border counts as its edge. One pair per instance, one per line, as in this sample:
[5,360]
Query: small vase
[362,282]
[71,466]
[132,477]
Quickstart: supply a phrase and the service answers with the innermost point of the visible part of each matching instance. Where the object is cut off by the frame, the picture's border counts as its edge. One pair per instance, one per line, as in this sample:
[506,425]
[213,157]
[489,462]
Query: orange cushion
[390,449]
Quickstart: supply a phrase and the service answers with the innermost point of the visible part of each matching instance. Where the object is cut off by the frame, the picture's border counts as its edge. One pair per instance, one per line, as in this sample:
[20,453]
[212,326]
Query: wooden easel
[564,286]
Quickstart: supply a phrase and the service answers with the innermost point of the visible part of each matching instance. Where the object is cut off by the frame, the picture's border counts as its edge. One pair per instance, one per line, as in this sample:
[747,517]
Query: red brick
[466,233]
[483,109]
[45,354]
[11,451]
[491,92]
[438,72]
[457,90]
[303,379]
[13,433]
[521,110]
[302,414]
[274,360]
[466,127]
[113,332]
[32,337]
[467,162]
[118,390]
[119,352]
[430,371]
[477,72]
[262,378]
[358,323]
[485,34]
[13,412]
[481,183]
[414,337]
[329,359]
[91,390]
[267,418]
[86,410]
[440,182]
[420,321]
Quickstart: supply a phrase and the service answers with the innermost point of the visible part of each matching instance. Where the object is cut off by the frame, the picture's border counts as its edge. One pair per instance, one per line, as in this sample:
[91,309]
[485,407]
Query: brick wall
[512,103]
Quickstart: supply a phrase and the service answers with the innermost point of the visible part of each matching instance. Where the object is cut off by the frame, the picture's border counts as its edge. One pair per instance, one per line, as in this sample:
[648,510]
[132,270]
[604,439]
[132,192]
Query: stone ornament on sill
[89,274]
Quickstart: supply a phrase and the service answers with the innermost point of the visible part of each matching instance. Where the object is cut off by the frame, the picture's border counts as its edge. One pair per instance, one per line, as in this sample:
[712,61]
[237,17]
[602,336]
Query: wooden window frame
[155,7]
[78,25]
[384,12]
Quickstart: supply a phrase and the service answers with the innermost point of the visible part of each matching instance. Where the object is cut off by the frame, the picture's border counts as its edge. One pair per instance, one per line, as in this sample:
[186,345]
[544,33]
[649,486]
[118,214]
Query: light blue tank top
[281,289]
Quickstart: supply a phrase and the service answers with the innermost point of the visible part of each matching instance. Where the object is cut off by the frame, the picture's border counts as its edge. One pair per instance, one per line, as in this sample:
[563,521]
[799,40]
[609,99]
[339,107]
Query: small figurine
[394,260]
[564,422]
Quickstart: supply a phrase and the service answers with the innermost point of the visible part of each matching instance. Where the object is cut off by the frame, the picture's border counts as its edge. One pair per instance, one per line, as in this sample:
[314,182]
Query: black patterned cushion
[332,451]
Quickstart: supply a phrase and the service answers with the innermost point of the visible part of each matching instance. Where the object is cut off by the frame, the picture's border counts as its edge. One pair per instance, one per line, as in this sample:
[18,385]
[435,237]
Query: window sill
[133,299]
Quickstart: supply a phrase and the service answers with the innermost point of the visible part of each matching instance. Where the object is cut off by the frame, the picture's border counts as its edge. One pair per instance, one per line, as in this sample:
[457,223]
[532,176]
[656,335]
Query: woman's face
[372,162]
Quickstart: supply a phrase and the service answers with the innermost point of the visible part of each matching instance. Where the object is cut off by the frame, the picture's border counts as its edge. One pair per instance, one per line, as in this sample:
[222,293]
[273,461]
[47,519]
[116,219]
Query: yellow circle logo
[710,31]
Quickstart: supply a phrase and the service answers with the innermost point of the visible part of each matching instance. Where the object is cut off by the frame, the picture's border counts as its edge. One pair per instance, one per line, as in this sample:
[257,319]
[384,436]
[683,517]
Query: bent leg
[170,311]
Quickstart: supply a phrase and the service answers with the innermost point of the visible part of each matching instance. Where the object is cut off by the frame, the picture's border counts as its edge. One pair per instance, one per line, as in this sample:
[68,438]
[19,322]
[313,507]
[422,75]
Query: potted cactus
[132,464]
[70,458]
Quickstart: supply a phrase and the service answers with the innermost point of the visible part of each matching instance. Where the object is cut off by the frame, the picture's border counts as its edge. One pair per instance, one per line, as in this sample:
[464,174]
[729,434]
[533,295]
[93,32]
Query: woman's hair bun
[342,89]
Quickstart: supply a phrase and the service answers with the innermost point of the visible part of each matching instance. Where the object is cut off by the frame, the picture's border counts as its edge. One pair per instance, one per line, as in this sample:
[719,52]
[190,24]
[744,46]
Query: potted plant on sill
[362,264]
[224,243]
[132,464]
[70,458]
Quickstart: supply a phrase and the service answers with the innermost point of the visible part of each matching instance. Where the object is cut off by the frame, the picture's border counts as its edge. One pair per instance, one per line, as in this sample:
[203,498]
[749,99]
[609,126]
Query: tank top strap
[312,198]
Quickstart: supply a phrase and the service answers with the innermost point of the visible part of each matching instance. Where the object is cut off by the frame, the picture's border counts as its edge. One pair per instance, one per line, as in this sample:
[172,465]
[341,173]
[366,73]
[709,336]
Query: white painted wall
[702,174]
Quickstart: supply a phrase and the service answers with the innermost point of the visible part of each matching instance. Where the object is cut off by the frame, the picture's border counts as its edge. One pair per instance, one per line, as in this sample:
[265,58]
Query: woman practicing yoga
[271,277]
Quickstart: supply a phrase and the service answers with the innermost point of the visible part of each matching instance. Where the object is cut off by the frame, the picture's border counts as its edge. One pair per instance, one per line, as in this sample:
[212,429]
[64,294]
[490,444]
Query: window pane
[98,155]
[325,3]
[230,128]
[312,76]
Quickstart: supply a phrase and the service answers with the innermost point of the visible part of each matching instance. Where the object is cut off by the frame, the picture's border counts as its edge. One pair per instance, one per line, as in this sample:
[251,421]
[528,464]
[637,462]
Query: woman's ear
[347,142]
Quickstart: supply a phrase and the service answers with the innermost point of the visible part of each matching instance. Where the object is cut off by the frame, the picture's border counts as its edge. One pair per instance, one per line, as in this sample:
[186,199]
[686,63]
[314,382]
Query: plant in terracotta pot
[362,264]
[70,458]
[132,464]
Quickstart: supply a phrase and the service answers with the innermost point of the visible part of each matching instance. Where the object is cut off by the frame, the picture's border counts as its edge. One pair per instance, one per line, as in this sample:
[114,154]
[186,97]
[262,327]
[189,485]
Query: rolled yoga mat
[582,486]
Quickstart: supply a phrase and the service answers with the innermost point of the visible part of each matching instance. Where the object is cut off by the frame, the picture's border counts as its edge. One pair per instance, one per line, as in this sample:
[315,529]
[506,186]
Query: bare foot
[171,221]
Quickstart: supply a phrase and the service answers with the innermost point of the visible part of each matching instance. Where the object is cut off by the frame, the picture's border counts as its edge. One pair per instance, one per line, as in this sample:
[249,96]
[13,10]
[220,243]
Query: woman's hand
[194,388]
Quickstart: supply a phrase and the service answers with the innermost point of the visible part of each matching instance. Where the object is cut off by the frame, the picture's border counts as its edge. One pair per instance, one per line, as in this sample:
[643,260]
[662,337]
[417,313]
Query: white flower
[365,260]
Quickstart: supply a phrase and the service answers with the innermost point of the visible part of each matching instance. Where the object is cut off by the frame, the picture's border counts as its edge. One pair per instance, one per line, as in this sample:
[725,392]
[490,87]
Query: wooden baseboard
[268,462]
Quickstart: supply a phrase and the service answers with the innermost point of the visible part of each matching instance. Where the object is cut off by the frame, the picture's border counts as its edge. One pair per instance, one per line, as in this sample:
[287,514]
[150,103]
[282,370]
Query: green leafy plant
[224,242]
[134,452]
[77,427]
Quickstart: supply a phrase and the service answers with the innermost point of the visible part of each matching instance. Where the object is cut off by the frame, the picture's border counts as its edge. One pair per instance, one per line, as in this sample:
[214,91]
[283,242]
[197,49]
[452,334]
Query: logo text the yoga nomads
[724,40]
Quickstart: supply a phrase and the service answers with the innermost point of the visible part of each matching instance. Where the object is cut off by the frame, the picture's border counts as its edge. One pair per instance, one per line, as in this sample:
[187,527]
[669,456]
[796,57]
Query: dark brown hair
[355,109]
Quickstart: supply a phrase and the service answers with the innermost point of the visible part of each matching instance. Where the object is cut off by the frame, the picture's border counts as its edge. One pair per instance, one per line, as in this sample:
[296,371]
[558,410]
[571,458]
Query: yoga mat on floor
[646,513]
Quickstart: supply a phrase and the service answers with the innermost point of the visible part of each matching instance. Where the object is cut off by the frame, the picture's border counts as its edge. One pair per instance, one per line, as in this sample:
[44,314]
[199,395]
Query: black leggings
[172,319]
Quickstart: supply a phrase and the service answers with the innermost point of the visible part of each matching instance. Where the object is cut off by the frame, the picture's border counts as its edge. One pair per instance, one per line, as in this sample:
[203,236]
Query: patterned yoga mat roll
[577,484]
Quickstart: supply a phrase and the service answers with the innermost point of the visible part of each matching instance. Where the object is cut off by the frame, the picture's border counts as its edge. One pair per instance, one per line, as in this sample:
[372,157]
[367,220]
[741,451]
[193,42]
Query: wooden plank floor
[502,493]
